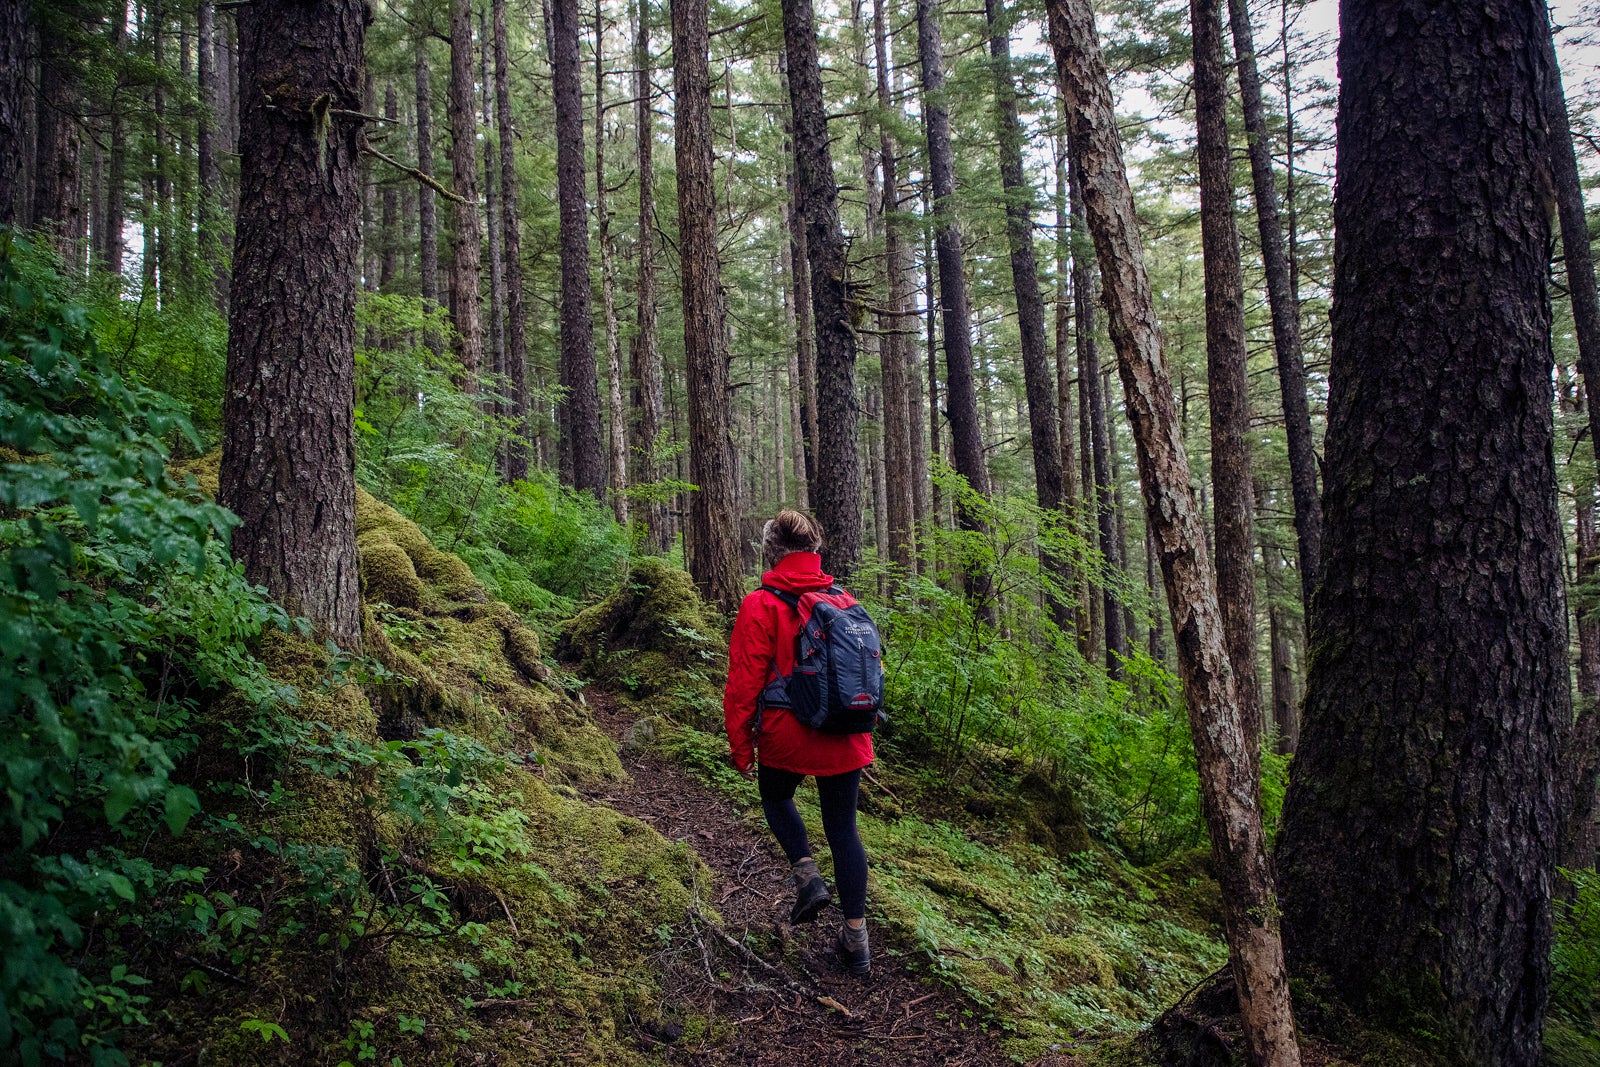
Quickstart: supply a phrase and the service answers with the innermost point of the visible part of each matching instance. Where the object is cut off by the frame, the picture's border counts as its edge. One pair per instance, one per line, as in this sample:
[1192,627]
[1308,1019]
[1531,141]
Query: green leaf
[182,805]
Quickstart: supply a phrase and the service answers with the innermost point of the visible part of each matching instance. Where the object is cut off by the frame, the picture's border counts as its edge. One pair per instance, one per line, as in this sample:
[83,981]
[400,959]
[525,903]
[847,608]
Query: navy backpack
[837,684]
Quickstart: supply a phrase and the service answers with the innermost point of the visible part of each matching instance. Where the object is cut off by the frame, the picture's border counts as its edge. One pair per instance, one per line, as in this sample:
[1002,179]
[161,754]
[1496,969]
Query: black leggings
[838,794]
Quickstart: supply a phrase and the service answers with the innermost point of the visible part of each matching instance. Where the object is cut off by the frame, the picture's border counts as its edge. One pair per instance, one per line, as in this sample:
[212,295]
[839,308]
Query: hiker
[769,736]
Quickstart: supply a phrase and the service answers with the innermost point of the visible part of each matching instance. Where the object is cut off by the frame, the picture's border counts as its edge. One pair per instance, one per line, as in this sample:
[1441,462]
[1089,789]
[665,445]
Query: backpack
[837,684]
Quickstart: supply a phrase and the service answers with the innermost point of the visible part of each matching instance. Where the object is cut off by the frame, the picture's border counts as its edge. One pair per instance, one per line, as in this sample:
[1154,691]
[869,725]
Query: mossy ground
[520,926]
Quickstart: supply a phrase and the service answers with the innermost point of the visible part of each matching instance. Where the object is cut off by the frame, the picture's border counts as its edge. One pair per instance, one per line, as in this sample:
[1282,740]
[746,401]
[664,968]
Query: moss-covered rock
[650,636]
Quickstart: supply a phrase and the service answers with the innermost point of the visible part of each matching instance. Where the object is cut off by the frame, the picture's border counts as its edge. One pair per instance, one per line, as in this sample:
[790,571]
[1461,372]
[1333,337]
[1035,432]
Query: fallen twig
[781,975]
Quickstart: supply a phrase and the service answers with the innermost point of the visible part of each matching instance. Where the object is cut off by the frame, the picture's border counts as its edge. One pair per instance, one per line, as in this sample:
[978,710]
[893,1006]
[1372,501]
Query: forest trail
[891,1017]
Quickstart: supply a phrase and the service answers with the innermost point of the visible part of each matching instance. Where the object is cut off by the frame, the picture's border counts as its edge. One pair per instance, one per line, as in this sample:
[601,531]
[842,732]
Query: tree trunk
[1419,835]
[714,525]
[1024,270]
[492,217]
[389,214]
[1285,307]
[646,355]
[797,434]
[961,398]
[580,410]
[427,216]
[1580,762]
[1074,586]
[1232,484]
[1092,393]
[288,453]
[57,204]
[836,492]
[1229,788]
[1285,708]
[608,284]
[805,348]
[112,246]
[13,82]
[516,450]
[898,450]
[210,175]
[466,253]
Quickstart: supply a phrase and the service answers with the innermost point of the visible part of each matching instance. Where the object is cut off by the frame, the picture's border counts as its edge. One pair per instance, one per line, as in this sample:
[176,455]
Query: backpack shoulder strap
[787,597]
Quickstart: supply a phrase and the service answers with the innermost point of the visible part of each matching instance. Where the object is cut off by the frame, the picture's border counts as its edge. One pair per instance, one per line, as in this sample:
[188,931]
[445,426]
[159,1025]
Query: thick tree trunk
[1229,788]
[714,525]
[961,396]
[57,203]
[516,450]
[645,355]
[618,451]
[466,252]
[288,452]
[1226,373]
[1419,835]
[836,492]
[805,347]
[427,215]
[1285,308]
[13,82]
[1085,288]
[580,425]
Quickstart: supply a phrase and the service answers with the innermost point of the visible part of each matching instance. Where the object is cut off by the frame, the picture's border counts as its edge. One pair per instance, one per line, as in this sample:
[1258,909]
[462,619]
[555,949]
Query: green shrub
[118,606]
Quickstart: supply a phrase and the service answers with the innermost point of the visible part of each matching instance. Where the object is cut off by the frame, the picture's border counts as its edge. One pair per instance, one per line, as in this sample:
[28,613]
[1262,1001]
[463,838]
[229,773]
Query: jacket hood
[798,572]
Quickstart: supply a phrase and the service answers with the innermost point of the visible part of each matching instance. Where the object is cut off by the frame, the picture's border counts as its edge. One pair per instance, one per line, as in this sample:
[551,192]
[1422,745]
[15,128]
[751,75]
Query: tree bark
[1285,309]
[836,492]
[516,449]
[645,355]
[714,526]
[1285,708]
[57,204]
[580,410]
[797,433]
[1419,835]
[608,284]
[1232,484]
[1229,787]
[427,216]
[466,253]
[961,396]
[1075,585]
[13,124]
[288,451]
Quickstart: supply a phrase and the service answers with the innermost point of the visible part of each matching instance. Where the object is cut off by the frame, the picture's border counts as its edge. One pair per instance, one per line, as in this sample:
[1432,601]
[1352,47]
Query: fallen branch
[425,179]
[781,975]
[485,1005]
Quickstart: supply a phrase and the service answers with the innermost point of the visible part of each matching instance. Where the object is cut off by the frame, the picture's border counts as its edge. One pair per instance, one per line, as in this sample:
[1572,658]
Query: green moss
[651,636]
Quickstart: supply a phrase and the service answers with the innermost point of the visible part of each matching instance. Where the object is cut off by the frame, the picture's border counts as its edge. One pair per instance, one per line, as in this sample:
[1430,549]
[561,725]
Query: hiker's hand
[748,771]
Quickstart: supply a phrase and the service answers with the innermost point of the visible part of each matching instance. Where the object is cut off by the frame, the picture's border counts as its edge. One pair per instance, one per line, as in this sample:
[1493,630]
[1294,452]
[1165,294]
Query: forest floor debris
[810,1011]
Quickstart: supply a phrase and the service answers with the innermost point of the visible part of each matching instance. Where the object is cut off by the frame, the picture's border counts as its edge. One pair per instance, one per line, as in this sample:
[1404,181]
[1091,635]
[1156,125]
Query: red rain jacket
[762,647]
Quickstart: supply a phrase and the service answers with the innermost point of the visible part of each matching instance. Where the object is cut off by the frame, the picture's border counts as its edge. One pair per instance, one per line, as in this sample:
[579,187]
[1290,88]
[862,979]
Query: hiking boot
[855,949]
[810,893]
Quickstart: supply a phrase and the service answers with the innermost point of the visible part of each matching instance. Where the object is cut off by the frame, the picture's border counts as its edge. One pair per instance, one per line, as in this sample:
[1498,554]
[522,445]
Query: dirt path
[890,1017]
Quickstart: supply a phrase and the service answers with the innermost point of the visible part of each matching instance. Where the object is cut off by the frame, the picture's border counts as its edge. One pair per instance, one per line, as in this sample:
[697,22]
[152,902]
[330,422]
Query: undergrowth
[221,838]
